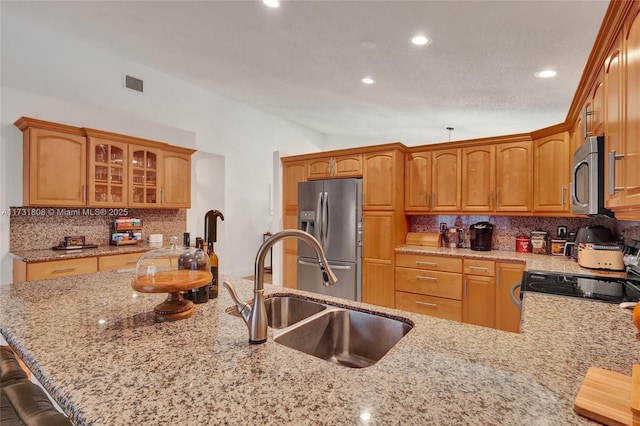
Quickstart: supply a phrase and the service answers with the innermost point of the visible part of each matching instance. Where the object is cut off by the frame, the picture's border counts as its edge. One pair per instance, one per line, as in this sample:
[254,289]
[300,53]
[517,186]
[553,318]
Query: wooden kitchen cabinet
[108,177]
[613,127]
[175,178]
[417,182]
[514,171]
[118,261]
[383,180]
[293,172]
[631,171]
[348,165]
[446,168]
[478,178]
[429,285]
[23,271]
[478,294]
[507,315]
[54,164]
[552,174]
[379,241]
[144,173]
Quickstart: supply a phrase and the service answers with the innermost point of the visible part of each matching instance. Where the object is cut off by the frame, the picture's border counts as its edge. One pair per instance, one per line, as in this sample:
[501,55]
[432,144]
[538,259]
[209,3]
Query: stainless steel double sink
[347,337]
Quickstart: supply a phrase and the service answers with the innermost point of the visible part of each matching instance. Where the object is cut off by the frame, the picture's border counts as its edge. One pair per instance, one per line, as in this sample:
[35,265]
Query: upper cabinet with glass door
[144,174]
[108,178]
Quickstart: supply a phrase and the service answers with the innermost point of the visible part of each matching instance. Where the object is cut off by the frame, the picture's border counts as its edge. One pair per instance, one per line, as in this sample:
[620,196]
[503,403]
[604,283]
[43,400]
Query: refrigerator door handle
[325,222]
[336,267]
[317,233]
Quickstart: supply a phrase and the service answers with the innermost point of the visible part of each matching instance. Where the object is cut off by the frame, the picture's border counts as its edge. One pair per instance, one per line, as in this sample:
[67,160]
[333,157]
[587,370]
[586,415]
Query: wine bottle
[213,258]
[199,294]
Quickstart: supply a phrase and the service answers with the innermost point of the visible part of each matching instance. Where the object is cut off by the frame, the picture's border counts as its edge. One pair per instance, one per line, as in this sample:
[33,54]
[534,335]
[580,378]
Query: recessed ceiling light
[420,40]
[546,74]
[271,3]
[367,80]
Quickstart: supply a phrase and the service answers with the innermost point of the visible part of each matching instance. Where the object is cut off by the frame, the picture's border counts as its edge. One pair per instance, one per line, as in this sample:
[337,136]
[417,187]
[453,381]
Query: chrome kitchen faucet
[256,316]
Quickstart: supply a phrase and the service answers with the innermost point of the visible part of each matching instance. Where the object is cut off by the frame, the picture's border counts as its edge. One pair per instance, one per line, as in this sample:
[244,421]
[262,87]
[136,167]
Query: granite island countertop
[93,343]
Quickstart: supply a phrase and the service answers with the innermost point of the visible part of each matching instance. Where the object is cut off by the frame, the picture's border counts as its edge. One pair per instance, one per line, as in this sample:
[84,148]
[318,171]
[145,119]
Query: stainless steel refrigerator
[331,211]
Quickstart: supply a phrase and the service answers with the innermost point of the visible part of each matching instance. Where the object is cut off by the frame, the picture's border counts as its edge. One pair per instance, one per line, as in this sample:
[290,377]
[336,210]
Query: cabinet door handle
[422,262]
[491,200]
[497,197]
[84,193]
[428,199]
[162,196]
[464,295]
[563,190]
[432,305]
[67,269]
[478,268]
[423,277]
[613,157]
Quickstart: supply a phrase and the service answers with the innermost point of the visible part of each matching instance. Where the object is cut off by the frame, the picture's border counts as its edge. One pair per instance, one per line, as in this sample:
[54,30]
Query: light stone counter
[102,250]
[534,262]
[93,343]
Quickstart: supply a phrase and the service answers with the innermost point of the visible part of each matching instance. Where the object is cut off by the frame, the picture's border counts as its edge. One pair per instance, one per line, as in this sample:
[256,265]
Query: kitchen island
[94,344]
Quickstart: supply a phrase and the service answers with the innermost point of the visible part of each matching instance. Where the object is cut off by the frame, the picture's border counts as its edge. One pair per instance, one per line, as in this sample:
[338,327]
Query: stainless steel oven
[587,180]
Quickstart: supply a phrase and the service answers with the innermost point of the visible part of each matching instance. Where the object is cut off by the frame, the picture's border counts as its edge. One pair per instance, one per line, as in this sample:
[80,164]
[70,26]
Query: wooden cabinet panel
[513,177]
[478,178]
[431,283]
[144,173]
[507,313]
[54,167]
[319,168]
[378,283]
[347,165]
[175,189]
[292,173]
[478,300]
[290,251]
[479,267]
[108,173]
[417,181]
[446,180]
[613,90]
[434,263]
[118,261]
[428,305]
[631,170]
[378,235]
[61,268]
[380,183]
[552,173]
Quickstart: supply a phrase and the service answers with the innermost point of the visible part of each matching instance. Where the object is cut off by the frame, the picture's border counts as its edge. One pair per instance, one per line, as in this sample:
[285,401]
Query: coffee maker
[480,236]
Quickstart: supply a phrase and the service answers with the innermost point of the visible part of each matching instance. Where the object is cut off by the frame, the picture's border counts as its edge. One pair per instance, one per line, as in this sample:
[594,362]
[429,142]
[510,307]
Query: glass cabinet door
[144,176]
[107,173]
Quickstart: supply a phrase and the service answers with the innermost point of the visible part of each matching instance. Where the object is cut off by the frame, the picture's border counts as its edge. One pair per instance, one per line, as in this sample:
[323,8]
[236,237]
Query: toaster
[600,256]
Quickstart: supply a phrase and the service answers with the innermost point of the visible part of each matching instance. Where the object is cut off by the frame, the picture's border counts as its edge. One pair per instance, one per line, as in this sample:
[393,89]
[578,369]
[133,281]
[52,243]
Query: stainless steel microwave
[587,180]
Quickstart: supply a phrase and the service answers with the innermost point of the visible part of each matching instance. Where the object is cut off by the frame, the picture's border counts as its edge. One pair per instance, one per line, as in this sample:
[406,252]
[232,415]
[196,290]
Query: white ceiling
[303,61]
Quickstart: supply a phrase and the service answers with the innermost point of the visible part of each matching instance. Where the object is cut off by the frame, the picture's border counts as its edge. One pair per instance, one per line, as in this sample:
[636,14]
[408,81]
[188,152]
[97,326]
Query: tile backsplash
[507,228]
[41,231]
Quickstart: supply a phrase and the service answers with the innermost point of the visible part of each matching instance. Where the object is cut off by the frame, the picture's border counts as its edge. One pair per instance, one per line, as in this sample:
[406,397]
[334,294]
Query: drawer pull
[132,262]
[422,277]
[421,262]
[431,305]
[70,268]
[478,268]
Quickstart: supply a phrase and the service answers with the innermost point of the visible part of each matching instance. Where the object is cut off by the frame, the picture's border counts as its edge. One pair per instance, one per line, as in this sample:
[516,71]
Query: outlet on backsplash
[507,228]
[46,231]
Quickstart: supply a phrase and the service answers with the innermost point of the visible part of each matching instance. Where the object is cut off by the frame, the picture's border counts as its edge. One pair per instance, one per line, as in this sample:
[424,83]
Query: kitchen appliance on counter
[454,237]
[76,242]
[595,234]
[480,236]
[600,256]
[331,211]
[587,181]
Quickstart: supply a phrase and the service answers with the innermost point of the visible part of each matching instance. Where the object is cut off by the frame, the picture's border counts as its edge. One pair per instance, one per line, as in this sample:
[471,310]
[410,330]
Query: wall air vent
[133,83]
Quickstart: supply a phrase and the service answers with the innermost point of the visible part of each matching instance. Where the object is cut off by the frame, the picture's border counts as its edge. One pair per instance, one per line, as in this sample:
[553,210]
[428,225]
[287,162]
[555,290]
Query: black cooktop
[603,289]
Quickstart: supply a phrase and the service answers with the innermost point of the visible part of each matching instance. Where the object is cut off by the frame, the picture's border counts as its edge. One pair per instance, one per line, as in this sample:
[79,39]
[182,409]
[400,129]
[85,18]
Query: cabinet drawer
[479,267]
[427,305]
[434,263]
[61,268]
[432,283]
[118,261]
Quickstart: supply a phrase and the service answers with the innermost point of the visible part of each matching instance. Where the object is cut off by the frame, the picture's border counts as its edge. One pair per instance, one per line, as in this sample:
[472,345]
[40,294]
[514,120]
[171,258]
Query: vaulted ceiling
[304,60]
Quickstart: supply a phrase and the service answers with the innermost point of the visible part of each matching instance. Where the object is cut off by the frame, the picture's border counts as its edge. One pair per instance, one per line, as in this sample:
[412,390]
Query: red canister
[523,244]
